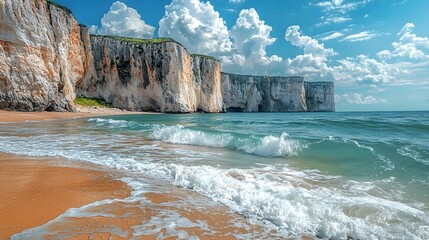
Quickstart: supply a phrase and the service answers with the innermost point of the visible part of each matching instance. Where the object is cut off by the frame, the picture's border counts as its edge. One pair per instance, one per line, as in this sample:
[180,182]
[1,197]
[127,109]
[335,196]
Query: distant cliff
[152,75]
[47,58]
[244,93]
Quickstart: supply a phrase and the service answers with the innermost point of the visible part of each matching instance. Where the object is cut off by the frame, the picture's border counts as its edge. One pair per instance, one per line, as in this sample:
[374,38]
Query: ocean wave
[416,153]
[268,146]
[272,146]
[112,123]
[275,196]
[178,134]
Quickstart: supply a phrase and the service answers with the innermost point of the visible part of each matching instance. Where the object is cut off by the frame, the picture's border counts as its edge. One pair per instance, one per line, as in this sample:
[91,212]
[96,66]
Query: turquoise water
[363,175]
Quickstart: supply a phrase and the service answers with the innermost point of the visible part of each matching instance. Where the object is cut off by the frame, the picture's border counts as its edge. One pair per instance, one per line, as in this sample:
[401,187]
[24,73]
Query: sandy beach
[11,116]
[36,191]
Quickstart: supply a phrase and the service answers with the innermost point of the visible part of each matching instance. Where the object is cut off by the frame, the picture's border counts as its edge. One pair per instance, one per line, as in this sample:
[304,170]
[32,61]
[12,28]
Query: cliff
[152,75]
[46,58]
[43,53]
[244,93]
[320,96]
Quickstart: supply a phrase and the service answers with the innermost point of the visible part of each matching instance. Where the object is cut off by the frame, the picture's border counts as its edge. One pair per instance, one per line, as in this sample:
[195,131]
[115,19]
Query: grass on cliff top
[151,41]
[91,102]
[60,6]
[204,56]
[139,40]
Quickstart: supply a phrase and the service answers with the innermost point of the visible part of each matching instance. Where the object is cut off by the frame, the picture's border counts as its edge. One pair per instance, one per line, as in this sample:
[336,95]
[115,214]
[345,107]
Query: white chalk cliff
[47,58]
[152,77]
[245,93]
[42,55]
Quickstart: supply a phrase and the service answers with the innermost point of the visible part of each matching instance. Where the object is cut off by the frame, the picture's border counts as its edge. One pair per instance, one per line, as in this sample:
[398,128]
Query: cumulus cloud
[236,1]
[365,70]
[251,37]
[409,46]
[309,45]
[124,21]
[196,25]
[356,98]
[313,63]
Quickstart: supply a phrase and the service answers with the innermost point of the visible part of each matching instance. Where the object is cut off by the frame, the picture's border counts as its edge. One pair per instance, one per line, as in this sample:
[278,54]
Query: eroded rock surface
[245,93]
[42,56]
[152,77]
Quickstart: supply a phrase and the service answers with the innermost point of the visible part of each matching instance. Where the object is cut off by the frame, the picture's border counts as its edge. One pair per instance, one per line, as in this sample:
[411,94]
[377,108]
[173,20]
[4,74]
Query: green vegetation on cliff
[139,40]
[91,102]
[59,6]
[204,56]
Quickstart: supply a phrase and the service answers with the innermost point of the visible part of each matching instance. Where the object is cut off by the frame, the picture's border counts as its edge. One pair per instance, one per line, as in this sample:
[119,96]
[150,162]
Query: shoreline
[39,192]
[16,117]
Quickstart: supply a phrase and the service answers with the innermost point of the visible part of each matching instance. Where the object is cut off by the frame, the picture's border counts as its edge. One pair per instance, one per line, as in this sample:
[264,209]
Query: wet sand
[34,192]
[11,116]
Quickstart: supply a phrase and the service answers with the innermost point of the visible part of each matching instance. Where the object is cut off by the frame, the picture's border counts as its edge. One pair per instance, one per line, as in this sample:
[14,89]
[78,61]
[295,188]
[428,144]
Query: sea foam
[293,201]
[177,134]
[271,146]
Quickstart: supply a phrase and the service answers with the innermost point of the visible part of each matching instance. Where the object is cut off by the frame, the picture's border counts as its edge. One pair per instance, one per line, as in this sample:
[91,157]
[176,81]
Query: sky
[375,51]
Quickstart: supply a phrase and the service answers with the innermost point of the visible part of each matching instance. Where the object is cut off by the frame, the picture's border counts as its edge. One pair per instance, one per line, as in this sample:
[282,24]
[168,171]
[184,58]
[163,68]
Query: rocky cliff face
[43,53]
[320,96]
[152,77]
[46,57]
[275,94]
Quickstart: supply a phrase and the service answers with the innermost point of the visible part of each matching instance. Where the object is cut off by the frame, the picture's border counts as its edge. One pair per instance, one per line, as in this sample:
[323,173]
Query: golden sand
[10,116]
[34,192]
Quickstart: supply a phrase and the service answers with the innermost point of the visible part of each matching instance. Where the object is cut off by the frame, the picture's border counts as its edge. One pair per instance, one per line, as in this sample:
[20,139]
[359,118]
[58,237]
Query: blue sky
[376,51]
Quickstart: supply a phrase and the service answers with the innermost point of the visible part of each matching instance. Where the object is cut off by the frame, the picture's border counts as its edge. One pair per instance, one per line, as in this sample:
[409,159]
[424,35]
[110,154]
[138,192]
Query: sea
[356,175]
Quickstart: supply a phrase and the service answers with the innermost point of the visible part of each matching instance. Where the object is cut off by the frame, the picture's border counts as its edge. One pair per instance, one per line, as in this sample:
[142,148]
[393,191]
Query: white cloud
[333,19]
[251,37]
[362,36]
[332,36]
[340,6]
[409,46]
[336,10]
[365,70]
[196,25]
[236,1]
[356,98]
[313,63]
[124,21]
[311,46]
